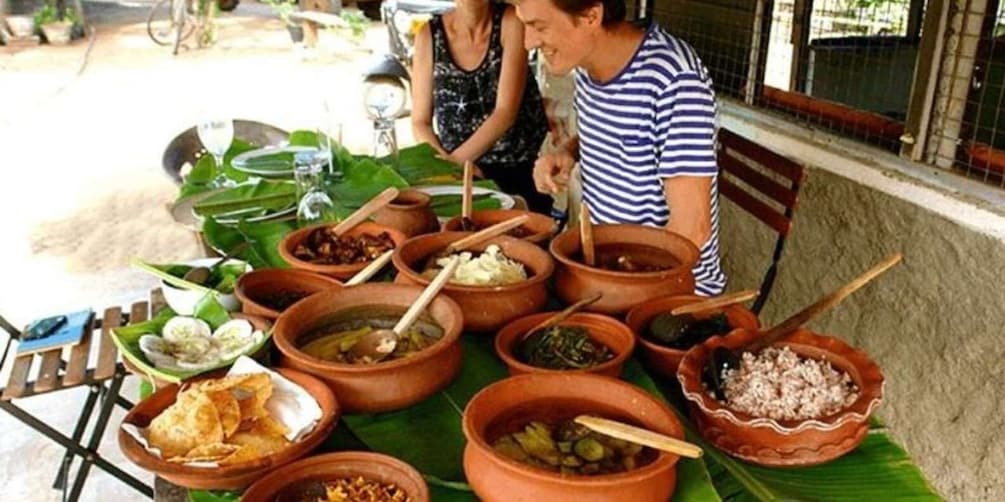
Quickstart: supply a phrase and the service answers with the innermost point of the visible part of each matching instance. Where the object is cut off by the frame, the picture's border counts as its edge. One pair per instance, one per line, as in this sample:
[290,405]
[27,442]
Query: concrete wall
[934,324]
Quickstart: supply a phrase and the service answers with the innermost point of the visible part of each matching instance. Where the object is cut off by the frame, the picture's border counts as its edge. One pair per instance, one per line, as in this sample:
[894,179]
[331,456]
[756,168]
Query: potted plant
[56,22]
[284,9]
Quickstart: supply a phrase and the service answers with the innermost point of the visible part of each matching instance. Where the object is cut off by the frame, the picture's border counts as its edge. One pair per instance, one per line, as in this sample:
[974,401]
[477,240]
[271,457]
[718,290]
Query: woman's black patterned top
[463,100]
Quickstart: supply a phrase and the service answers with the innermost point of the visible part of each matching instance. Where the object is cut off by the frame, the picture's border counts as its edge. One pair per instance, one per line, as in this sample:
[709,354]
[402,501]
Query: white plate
[505,201]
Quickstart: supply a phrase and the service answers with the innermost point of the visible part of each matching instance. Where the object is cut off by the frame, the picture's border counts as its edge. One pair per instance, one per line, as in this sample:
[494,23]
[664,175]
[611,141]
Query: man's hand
[551,172]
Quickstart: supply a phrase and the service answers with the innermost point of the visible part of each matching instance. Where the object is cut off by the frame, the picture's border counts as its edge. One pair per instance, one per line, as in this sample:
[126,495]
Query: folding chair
[769,191]
[56,374]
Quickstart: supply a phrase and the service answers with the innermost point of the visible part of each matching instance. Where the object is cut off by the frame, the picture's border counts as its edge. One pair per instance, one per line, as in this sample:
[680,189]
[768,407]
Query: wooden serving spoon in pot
[366,210]
[371,269]
[564,314]
[716,302]
[723,359]
[586,235]
[485,234]
[638,435]
[466,197]
[378,344]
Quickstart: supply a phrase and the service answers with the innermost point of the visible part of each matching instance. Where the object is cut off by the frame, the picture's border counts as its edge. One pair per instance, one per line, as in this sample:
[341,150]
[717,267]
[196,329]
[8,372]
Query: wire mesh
[971,136]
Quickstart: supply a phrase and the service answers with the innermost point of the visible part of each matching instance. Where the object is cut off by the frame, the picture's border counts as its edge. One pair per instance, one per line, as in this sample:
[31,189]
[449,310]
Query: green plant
[49,13]
[357,22]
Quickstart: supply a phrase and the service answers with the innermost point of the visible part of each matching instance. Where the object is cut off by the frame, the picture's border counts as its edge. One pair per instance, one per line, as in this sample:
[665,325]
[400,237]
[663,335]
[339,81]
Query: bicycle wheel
[162,23]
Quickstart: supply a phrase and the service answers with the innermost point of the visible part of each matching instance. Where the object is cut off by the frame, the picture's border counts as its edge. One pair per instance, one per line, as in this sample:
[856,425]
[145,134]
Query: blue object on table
[69,333]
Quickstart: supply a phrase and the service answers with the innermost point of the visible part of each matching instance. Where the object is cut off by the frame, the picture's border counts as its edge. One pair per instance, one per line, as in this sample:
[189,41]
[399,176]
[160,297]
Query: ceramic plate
[505,200]
[269,161]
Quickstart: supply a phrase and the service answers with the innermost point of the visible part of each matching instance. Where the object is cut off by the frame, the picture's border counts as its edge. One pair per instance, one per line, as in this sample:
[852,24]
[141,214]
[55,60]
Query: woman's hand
[551,172]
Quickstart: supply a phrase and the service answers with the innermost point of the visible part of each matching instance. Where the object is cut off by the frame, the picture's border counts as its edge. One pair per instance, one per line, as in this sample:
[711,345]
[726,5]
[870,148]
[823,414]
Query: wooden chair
[769,192]
[104,378]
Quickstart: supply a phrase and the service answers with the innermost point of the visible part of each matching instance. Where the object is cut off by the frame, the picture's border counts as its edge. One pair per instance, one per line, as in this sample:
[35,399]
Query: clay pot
[506,406]
[231,477]
[610,332]
[280,484]
[263,354]
[253,284]
[409,213]
[786,443]
[21,26]
[342,272]
[540,227]
[58,33]
[386,386]
[665,360]
[486,308]
[575,281]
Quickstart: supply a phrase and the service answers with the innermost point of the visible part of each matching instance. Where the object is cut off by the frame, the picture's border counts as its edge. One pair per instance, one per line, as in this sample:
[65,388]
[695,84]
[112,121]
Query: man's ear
[594,15]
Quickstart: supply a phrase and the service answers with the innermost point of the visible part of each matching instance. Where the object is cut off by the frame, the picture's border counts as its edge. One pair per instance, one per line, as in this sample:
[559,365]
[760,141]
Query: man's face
[565,40]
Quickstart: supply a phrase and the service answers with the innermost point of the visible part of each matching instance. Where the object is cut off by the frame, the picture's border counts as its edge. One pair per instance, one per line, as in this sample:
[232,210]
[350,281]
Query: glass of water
[314,205]
[216,135]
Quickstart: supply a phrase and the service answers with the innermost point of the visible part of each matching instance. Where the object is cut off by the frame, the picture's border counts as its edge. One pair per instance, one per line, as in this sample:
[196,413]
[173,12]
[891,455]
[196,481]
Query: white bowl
[183,301]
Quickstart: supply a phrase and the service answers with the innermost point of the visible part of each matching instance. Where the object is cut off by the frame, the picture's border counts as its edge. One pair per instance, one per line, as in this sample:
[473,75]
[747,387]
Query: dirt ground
[82,130]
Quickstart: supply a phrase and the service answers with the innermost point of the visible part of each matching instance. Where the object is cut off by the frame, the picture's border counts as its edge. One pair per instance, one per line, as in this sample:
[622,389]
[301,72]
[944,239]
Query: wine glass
[216,135]
[330,129]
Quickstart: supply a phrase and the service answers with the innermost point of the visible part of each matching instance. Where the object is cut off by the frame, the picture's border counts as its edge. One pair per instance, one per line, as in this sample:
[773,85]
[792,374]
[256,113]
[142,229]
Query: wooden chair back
[768,189]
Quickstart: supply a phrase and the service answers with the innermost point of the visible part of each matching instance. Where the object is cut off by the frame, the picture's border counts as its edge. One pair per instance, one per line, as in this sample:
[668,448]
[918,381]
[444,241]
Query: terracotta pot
[21,26]
[232,477]
[386,386]
[253,284]
[258,323]
[540,227]
[343,272]
[610,332]
[58,33]
[409,214]
[507,405]
[665,360]
[332,466]
[486,308]
[784,442]
[575,281]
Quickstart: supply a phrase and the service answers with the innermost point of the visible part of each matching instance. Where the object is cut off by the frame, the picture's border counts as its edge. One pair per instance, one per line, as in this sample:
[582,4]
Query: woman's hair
[614,10]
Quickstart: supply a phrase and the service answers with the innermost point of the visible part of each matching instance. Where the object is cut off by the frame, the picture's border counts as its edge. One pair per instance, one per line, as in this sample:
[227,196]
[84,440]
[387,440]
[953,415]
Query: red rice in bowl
[779,384]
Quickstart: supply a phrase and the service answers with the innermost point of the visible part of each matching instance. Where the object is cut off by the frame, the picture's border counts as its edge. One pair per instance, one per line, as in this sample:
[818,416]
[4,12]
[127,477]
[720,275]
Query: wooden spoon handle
[716,302]
[823,305]
[466,202]
[364,212]
[427,296]
[640,436]
[564,314]
[486,234]
[372,268]
[586,235]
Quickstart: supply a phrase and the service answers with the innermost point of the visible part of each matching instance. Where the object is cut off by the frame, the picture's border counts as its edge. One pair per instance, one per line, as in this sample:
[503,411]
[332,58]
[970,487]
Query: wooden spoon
[586,235]
[466,197]
[372,268]
[563,315]
[638,435]
[485,234]
[364,212]
[716,302]
[723,359]
[378,344]
[199,275]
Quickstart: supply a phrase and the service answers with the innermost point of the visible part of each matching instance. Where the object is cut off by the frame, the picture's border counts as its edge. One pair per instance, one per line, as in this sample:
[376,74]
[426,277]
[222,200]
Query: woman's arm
[512,79]
[690,207]
[422,91]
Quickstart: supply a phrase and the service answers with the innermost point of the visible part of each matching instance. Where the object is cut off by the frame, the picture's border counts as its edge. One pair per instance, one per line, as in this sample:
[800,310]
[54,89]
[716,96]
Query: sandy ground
[82,130]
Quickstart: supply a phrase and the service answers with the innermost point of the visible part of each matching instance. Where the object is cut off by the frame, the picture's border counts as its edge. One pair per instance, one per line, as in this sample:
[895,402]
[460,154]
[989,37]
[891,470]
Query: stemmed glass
[330,129]
[216,135]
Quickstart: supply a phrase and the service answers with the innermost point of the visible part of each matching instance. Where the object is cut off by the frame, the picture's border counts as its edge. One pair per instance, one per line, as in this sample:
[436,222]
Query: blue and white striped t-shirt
[655,120]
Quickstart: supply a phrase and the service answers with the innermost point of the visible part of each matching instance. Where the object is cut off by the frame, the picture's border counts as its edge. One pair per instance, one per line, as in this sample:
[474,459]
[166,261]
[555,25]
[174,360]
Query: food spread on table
[570,448]
[563,348]
[489,268]
[324,247]
[188,344]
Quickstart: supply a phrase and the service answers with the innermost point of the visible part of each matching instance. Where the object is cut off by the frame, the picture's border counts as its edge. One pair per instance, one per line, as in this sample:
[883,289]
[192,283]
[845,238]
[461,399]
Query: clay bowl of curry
[634,263]
[317,334]
[316,249]
[587,342]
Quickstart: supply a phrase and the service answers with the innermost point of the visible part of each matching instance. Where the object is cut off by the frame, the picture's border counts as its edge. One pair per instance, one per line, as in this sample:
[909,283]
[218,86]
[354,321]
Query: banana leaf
[260,194]
[362,180]
[263,236]
[204,171]
[127,339]
[420,165]
[448,206]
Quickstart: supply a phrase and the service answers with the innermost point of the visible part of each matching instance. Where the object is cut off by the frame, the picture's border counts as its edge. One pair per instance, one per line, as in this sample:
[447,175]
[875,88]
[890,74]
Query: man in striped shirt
[646,111]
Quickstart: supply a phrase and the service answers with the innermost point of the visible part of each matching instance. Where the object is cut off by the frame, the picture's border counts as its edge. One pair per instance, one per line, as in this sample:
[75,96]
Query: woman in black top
[470,75]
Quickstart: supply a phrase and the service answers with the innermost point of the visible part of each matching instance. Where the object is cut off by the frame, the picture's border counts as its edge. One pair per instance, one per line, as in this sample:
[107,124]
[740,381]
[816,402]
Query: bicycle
[172,21]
